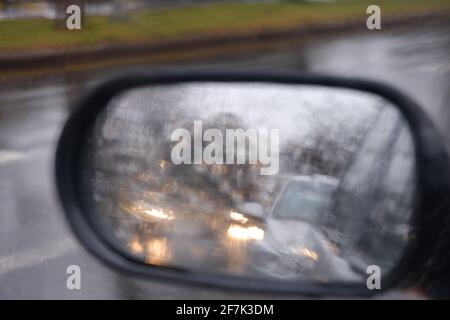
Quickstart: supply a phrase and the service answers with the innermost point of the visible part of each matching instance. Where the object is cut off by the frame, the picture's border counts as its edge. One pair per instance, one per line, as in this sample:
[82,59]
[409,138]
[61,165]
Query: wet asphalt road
[36,245]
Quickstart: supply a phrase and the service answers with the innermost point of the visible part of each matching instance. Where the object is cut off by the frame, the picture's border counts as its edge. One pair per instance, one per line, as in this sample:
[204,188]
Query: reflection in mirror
[259,180]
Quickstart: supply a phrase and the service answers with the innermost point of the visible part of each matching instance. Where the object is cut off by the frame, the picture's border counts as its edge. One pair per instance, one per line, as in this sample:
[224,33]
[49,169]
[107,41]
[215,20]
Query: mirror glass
[288,182]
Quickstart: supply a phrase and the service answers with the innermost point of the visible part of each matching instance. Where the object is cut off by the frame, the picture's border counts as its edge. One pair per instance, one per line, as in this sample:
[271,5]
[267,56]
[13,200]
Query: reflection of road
[35,244]
[364,170]
[370,196]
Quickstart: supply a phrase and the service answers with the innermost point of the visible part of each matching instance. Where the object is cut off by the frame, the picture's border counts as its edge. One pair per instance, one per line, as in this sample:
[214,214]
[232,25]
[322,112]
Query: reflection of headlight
[142,211]
[311,254]
[238,217]
[245,233]
[157,214]
[156,251]
[136,247]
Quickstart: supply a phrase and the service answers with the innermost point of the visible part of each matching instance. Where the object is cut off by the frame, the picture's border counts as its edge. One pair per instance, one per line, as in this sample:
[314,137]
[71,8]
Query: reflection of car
[309,199]
[295,230]
[305,198]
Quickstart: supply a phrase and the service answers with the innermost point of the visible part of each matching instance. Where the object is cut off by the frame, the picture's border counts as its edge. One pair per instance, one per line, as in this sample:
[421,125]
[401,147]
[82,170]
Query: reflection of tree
[324,150]
[365,198]
[131,149]
[232,182]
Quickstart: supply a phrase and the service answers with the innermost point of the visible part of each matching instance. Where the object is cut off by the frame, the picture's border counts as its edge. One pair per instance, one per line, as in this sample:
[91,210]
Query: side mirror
[266,182]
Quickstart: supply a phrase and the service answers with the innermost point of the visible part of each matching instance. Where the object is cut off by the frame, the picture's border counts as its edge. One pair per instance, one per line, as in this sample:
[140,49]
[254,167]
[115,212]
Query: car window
[303,202]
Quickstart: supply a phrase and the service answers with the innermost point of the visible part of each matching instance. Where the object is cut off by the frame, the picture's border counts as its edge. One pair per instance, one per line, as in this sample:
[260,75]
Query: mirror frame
[423,259]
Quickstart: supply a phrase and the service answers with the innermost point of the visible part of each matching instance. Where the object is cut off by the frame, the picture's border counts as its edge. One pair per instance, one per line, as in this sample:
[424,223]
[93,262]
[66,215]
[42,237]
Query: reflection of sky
[294,109]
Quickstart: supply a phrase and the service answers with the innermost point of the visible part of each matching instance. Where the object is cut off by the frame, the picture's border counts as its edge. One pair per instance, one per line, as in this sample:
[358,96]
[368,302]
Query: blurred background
[45,68]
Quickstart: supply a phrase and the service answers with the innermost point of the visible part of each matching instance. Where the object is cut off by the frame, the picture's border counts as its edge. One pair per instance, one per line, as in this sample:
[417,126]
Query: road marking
[11,156]
[33,257]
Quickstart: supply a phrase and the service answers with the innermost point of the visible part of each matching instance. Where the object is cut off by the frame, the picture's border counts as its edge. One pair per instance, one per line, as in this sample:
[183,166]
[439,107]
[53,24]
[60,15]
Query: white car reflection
[294,243]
